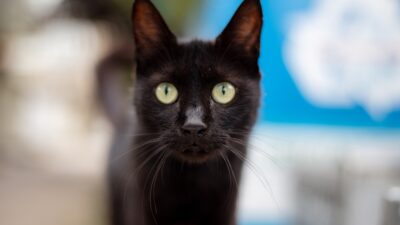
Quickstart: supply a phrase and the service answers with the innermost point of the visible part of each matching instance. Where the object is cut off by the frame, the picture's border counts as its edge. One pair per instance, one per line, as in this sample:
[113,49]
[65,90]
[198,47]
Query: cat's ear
[150,31]
[244,29]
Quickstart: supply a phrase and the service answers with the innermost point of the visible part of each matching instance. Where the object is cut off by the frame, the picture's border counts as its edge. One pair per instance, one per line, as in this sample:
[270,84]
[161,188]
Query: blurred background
[325,151]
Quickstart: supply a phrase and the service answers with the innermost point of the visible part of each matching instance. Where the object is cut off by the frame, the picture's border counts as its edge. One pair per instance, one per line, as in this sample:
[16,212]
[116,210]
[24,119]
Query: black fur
[167,177]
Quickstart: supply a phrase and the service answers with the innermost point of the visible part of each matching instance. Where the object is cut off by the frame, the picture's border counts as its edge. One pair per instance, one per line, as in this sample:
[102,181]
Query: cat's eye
[166,93]
[223,93]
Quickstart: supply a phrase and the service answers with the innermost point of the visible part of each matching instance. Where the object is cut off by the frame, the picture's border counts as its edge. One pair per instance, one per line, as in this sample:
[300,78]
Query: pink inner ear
[146,27]
[150,31]
[248,31]
[244,29]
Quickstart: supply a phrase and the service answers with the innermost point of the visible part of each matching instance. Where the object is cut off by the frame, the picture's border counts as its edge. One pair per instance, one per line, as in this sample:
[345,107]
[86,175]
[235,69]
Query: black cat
[195,104]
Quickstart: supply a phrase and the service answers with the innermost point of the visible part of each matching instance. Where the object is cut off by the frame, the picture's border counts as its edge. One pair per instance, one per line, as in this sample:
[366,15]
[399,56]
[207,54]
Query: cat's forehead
[196,61]
[195,55]
[188,60]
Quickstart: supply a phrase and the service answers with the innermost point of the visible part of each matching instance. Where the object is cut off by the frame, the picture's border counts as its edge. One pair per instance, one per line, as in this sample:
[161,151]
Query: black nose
[194,128]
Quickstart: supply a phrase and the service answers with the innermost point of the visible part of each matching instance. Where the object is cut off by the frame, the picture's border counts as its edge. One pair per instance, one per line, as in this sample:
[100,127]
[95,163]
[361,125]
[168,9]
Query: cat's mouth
[194,154]
[195,150]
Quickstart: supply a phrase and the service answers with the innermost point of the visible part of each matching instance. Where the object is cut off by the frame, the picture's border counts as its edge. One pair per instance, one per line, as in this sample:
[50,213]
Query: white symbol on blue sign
[347,52]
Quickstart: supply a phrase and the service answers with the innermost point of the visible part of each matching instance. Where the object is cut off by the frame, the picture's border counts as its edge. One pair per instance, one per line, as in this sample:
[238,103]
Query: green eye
[223,93]
[166,93]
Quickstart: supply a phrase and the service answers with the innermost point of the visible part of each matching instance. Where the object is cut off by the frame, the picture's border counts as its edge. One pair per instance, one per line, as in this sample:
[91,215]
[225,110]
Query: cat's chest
[194,184]
[192,192]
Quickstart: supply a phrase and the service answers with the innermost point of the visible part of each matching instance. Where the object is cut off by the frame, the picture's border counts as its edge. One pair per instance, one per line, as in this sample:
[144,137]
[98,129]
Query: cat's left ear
[244,30]
[151,33]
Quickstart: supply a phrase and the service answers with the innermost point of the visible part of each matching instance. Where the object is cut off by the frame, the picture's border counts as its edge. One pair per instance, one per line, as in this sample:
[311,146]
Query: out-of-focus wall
[53,138]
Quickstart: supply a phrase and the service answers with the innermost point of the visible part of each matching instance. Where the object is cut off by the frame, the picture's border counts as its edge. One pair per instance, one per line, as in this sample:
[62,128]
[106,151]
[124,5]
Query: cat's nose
[194,124]
[194,128]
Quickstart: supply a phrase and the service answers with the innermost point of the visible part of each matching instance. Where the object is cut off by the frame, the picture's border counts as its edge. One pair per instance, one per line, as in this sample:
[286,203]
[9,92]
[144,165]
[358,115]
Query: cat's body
[188,142]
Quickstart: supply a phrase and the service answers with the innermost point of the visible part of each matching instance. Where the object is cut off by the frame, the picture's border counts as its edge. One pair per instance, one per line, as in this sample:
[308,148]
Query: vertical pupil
[166,90]
[223,90]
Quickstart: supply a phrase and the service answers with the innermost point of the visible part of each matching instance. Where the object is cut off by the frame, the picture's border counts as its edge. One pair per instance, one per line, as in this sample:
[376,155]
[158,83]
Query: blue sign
[324,62]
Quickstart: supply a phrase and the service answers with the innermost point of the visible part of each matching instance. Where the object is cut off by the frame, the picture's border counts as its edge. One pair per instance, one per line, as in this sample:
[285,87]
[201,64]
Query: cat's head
[199,98]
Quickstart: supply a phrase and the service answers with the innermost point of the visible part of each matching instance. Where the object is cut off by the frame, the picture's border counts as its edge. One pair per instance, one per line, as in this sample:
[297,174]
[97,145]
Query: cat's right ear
[244,30]
[151,33]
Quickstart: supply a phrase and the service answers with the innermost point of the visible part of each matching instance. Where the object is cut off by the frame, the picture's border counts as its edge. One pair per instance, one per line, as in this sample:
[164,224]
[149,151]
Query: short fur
[167,176]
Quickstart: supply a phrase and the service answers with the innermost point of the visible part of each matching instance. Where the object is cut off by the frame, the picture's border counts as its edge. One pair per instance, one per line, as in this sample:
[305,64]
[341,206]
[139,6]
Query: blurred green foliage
[178,13]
